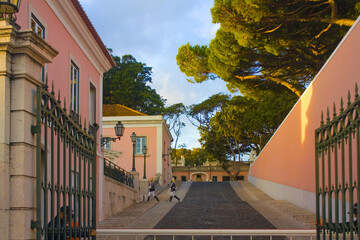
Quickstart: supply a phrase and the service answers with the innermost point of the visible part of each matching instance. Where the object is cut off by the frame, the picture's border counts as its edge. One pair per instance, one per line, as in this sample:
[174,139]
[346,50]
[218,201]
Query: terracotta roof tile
[91,28]
[119,110]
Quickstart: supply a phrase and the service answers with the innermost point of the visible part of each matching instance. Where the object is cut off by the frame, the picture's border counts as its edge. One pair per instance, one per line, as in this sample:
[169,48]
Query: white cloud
[152,31]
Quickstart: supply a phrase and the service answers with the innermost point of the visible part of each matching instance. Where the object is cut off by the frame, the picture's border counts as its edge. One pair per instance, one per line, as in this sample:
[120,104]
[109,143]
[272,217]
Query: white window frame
[92,103]
[107,146]
[140,142]
[36,25]
[74,88]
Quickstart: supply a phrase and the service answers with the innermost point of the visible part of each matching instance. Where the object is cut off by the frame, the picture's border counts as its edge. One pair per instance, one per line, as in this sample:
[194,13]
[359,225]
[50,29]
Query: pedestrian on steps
[152,190]
[173,190]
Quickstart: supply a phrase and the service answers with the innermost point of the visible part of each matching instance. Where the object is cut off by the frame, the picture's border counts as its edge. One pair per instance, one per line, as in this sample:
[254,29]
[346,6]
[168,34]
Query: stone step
[127,216]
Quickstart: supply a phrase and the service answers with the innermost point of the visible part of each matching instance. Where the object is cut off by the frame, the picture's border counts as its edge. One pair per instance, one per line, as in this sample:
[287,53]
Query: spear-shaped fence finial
[322,118]
[52,88]
[328,115]
[341,105]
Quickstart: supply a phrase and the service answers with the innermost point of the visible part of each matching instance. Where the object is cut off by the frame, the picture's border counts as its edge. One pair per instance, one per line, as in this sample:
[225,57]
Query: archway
[200,173]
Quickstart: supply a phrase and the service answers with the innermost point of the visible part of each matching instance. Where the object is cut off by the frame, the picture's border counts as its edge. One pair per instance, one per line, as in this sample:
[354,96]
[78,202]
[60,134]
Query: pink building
[77,70]
[285,169]
[151,131]
[66,48]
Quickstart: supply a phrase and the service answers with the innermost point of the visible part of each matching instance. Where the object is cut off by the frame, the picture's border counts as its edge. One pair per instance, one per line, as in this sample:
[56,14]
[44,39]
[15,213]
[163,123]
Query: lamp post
[144,151]
[189,171]
[210,172]
[119,131]
[133,139]
[8,8]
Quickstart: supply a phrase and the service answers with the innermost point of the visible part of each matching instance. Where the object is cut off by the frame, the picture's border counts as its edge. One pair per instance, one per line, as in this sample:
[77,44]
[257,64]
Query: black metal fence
[337,160]
[117,173]
[65,172]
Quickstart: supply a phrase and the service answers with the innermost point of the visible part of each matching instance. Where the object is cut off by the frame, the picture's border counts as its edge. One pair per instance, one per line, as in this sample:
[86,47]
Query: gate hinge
[35,224]
[35,129]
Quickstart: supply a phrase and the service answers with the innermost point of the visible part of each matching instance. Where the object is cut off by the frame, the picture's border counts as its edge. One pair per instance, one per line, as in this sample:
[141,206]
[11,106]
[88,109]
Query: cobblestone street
[213,205]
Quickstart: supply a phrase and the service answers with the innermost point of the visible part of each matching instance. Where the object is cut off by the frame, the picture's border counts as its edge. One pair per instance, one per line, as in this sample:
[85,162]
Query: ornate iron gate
[65,170]
[337,160]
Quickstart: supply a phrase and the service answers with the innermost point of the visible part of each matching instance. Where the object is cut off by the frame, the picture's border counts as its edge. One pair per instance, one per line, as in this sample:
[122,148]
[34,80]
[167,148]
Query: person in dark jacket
[62,219]
[173,190]
[54,229]
[152,190]
[355,216]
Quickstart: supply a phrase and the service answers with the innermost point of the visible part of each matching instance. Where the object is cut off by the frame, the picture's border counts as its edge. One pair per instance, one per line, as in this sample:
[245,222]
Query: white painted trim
[78,30]
[32,11]
[290,233]
[202,173]
[159,150]
[277,191]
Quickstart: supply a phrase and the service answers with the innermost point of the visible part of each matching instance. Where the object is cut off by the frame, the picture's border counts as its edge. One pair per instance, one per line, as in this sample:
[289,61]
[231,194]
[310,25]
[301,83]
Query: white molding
[159,149]
[78,30]
[277,191]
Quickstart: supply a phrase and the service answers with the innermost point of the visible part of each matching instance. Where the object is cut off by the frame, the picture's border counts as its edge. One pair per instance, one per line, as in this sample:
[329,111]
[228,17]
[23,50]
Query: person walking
[173,190]
[152,190]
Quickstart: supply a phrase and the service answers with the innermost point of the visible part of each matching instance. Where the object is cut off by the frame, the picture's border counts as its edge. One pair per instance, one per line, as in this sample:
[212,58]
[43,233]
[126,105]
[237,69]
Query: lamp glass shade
[9,6]
[133,137]
[119,129]
[144,149]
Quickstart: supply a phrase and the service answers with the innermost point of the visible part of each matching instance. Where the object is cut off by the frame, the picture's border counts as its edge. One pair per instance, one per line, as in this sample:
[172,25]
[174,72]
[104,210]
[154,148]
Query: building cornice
[76,22]
[137,121]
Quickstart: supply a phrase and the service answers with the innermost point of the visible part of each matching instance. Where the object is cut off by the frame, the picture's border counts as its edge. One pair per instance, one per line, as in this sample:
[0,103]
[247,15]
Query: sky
[152,31]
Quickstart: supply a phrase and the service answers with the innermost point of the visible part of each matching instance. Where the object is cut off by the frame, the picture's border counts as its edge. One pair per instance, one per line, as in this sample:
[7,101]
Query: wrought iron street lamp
[169,152]
[119,131]
[8,8]
[144,151]
[133,139]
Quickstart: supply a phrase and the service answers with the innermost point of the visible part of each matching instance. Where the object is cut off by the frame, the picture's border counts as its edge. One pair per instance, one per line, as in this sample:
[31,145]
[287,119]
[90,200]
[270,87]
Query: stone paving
[213,205]
[264,210]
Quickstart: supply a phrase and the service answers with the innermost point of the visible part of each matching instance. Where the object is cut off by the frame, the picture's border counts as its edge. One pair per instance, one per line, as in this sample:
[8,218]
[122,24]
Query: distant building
[151,131]
[209,171]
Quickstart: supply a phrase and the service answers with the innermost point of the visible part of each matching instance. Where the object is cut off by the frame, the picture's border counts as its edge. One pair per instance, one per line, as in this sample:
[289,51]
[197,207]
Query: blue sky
[152,31]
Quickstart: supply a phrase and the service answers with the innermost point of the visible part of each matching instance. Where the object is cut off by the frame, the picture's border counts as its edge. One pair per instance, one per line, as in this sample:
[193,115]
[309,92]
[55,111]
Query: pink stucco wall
[289,157]
[166,159]
[59,70]
[124,145]
[72,47]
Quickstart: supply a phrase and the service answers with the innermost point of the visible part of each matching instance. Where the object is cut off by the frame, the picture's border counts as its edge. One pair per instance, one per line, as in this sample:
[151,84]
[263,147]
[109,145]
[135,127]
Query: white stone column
[136,183]
[22,54]
[144,189]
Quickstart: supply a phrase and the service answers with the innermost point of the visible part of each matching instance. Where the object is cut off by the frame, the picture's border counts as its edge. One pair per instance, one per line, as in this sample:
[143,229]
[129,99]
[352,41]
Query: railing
[337,164]
[154,233]
[65,170]
[117,173]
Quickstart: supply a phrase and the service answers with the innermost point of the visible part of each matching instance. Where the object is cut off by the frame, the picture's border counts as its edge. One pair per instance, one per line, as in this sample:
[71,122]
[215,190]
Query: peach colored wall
[124,145]
[289,157]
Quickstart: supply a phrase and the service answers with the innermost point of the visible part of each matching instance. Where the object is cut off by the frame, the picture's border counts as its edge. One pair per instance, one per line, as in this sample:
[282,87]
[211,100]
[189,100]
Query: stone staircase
[127,216]
[263,203]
